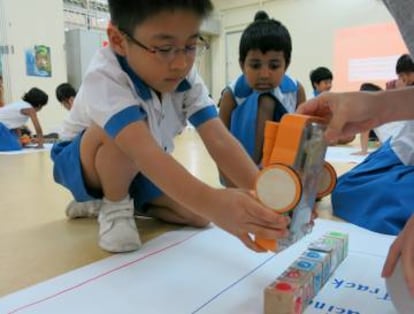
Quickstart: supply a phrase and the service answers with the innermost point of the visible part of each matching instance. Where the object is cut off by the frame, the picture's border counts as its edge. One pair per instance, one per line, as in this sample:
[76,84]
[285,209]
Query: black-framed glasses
[168,53]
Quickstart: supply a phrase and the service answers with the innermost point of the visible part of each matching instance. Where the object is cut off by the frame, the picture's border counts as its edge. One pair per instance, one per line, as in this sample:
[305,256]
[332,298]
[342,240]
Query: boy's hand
[38,141]
[240,214]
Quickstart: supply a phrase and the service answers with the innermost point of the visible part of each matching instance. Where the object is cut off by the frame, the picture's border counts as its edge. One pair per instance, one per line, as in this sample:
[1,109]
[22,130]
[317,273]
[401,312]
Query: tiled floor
[37,242]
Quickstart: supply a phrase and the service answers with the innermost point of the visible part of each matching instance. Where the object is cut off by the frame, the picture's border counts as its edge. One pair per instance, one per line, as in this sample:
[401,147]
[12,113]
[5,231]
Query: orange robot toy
[294,173]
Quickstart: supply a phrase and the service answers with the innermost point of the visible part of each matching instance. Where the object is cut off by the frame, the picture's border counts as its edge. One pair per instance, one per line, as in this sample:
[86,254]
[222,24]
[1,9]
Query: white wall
[26,24]
[312,25]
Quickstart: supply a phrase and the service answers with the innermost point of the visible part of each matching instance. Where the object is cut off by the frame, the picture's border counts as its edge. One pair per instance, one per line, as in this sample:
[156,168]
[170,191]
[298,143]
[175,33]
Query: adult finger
[407,260]
[392,258]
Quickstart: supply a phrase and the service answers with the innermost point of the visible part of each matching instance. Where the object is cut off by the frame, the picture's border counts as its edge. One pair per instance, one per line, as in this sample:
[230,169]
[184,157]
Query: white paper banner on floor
[29,150]
[209,271]
[344,154]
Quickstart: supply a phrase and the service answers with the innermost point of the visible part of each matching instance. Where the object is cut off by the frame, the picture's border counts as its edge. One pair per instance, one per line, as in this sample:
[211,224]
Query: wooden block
[292,291]
[319,257]
[282,298]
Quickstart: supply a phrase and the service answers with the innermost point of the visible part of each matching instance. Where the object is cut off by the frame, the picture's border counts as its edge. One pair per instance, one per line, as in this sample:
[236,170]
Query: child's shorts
[9,141]
[67,171]
[377,194]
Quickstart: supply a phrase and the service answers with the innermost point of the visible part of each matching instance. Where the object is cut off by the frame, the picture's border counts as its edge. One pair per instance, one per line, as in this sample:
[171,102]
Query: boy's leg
[166,209]
[106,167]
[150,201]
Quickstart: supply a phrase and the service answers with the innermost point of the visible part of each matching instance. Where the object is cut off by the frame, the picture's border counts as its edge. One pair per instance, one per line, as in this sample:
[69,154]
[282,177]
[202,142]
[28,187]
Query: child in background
[370,135]
[321,80]
[65,94]
[136,96]
[404,69]
[14,116]
[378,193]
[264,91]
[382,184]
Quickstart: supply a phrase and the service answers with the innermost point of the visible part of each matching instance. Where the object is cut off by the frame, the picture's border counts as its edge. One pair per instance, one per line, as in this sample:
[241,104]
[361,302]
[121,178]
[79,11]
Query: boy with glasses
[135,98]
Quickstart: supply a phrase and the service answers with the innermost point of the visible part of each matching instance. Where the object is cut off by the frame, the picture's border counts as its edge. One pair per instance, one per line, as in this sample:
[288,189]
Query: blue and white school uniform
[244,115]
[11,117]
[378,194]
[113,96]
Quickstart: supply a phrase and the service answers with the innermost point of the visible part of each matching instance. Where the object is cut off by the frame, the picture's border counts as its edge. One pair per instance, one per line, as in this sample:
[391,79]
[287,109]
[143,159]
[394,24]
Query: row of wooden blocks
[292,291]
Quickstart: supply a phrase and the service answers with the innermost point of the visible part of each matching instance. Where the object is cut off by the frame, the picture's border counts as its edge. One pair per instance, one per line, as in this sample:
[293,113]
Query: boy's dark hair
[127,14]
[65,91]
[36,97]
[369,87]
[404,64]
[265,34]
[320,74]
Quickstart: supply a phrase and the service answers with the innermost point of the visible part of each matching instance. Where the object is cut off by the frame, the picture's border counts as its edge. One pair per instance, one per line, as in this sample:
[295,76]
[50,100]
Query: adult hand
[403,248]
[346,113]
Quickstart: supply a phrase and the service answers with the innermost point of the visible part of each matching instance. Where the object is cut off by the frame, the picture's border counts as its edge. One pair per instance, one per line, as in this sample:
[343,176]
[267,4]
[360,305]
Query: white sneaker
[83,209]
[117,229]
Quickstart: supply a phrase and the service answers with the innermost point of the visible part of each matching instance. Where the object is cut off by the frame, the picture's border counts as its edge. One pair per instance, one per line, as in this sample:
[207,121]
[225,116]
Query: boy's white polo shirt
[11,115]
[113,96]
[402,143]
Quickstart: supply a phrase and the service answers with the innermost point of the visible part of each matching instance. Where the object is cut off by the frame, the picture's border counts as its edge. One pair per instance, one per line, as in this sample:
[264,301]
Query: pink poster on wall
[366,54]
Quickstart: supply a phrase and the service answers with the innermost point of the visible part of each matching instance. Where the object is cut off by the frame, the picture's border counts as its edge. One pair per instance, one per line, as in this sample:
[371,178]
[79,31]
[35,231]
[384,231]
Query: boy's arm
[31,112]
[364,142]
[234,210]
[301,95]
[364,139]
[228,154]
[226,105]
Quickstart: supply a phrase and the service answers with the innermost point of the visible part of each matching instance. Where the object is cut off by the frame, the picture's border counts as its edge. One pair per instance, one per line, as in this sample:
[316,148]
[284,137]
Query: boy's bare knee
[168,210]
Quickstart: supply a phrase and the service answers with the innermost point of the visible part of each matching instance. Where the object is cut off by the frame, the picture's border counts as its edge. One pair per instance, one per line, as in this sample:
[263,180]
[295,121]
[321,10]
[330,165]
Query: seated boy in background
[14,116]
[135,98]
[377,194]
[404,68]
[65,94]
[321,79]
[264,91]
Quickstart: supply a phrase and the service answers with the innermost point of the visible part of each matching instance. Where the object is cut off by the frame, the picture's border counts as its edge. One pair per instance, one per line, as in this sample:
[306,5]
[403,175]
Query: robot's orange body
[294,173]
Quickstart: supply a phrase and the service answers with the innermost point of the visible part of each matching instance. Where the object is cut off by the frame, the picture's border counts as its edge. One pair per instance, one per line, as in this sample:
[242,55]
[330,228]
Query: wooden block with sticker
[292,291]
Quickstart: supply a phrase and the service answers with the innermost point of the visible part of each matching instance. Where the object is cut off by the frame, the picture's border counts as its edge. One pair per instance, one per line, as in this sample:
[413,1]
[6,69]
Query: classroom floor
[38,242]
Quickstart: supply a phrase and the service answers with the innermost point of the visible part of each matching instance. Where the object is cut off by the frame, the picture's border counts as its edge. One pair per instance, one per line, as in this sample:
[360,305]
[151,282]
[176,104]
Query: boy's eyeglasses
[168,53]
